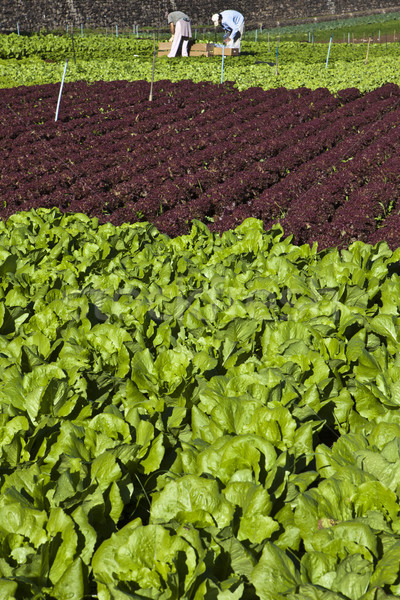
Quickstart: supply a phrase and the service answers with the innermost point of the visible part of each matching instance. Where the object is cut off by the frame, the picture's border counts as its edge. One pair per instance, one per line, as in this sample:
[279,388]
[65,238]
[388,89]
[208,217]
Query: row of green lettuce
[99,47]
[193,418]
[298,65]
[40,59]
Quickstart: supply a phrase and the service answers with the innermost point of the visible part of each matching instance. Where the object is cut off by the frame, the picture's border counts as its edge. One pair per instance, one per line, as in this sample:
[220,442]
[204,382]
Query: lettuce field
[199,328]
[38,59]
[200,416]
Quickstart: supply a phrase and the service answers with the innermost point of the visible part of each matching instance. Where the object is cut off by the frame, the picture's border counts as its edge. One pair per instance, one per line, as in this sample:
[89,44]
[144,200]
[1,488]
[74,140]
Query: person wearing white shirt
[180,32]
[232,22]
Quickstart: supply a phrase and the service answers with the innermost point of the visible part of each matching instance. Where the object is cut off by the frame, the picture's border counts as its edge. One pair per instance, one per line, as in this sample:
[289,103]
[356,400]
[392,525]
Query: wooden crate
[201,49]
[194,49]
[164,48]
[227,51]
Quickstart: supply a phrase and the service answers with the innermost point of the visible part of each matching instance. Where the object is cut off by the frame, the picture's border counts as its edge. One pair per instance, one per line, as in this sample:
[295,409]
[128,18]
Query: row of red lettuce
[326,166]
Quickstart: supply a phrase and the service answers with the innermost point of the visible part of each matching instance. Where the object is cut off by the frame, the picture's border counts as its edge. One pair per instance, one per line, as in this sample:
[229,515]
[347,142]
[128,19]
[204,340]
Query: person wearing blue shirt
[232,22]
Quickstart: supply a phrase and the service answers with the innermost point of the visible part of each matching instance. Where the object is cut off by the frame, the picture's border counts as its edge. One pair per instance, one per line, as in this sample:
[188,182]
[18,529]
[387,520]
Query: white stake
[366,58]
[61,88]
[329,49]
[152,73]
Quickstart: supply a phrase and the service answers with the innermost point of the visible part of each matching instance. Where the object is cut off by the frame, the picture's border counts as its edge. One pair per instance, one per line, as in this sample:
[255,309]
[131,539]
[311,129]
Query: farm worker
[232,22]
[181,31]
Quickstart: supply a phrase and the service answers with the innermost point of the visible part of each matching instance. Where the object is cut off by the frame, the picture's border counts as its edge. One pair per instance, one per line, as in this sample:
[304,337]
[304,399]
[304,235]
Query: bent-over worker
[232,22]
[181,31]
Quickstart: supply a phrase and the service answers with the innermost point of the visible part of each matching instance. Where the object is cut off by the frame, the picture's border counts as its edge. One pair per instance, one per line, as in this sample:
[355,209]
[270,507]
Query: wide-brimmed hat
[215,19]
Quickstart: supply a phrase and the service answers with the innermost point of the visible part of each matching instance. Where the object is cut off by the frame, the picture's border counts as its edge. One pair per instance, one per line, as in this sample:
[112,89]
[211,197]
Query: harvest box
[194,49]
[163,48]
[227,51]
[201,49]
[205,49]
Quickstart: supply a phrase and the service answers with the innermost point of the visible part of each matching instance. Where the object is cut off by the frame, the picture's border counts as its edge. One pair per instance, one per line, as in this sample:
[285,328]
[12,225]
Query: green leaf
[229,455]
[89,533]
[193,499]
[385,325]
[143,371]
[105,470]
[353,577]
[65,552]
[311,592]
[8,262]
[255,523]
[8,589]
[170,367]
[204,362]
[318,568]
[242,561]
[154,456]
[18,516]
[388,567]
[274,574]
[71,586]
[147,558]
[347,537]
